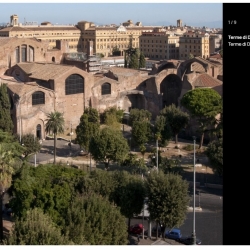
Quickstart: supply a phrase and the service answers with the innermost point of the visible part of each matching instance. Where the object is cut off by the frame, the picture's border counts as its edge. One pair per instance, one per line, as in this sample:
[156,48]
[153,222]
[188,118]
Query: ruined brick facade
[44,77]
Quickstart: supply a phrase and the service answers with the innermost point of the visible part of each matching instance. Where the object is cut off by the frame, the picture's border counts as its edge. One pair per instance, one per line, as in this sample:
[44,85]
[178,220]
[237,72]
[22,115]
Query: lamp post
[35,152]
[194,234]
[157,154]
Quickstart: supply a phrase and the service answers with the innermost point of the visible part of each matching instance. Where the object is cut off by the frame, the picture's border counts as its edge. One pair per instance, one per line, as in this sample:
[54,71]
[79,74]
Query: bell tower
[14,20]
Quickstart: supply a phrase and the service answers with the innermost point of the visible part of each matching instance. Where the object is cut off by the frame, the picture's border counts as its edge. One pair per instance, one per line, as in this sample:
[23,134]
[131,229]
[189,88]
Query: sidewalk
[147,241]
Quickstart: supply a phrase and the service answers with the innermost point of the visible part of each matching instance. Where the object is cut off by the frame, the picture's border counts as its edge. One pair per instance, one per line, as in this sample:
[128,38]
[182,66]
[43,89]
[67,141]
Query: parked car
[136,229]
[189,240]
[174,234]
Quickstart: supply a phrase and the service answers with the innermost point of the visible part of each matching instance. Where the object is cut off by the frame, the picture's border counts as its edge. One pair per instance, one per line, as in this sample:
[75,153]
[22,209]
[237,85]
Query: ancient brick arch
[170,89]
[196,64]
[133,99]
[169,65]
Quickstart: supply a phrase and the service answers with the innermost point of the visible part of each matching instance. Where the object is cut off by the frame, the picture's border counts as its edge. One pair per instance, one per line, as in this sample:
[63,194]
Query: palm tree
[54,124]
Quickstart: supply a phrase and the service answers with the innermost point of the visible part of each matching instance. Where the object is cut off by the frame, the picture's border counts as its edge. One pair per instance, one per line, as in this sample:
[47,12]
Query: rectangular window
[17,55]
[24,54]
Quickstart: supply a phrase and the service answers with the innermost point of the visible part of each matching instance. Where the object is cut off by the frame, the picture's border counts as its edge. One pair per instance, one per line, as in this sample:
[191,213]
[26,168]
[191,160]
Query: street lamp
[194,234]
[35,152]
[157,154]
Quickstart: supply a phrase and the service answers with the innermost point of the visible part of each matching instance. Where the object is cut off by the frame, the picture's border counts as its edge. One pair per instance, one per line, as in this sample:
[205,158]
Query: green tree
[167,198]
[142,61]
[214,153]
[30,144]
[204,104]
[47,187]
[93,115]
[163,130]
[86,130]
[54,124]
[36,228]
[6,171]
[6,123]
[139,115]
[141,132]
[11,143]
[129,193]
[113,117]
[100,182]
[100,222]
[10,153]
[176,118]
[143,150]
[132,55]
[133,63]
[109,145]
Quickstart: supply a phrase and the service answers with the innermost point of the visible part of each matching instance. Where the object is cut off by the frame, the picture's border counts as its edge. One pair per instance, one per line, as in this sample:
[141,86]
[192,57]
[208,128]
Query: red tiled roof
[205,80]
[216,56]
[44,71]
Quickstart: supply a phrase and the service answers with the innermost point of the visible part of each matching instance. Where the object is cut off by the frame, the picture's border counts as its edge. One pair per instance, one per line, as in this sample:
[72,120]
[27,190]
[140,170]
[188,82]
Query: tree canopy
[6,123]
[214,153]
[129,193]
[86,129]
[167,198]
[30,144]
[142,61]
[162,130]
[109,145]
[139,115]
[113,117]
[93,115]
[47,187]
[176,118]
[141,132]
[95,219]
[36,228]
[204,104]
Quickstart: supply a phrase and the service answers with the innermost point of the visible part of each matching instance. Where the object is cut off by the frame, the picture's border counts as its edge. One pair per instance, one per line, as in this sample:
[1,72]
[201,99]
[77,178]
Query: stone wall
[41,53]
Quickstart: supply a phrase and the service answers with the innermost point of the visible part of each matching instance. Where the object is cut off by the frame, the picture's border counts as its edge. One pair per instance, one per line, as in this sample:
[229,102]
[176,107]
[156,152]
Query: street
[208,222]
[62,150]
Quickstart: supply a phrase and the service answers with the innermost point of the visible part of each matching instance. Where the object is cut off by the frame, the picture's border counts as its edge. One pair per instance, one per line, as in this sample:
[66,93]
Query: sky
[193,14]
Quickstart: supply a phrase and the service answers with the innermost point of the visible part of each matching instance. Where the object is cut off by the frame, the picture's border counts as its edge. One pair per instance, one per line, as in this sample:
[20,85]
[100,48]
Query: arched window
[74,84]
[53,59]
[17,54]
[24,53]
[31,54]
[106,88]
[38,97]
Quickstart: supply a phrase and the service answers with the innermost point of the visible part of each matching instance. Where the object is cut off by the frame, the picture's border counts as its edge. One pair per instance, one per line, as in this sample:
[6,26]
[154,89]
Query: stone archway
[134,101]
[170,89]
